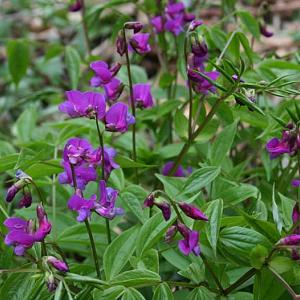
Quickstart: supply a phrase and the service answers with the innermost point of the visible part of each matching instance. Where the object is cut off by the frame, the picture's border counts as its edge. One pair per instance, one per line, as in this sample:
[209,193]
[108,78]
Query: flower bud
[171,232]
[290,240]
[58,264]
[121,45]
[50,281]
[194,24]
[76,6]
[136,26]
[149,202]
[165,209]
[264,31]
[114,69]
[192,211]
[26,200]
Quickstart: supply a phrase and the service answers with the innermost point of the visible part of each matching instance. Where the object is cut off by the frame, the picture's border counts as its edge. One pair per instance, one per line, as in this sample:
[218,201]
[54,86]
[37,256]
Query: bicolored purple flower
[277,147]
[192,211]
[83,206]
[84,174]
[142,95]
[290,240]
[158,24]
[118,118]
[106,205]
[113,89]
[180,172]
[57,264]
[200,84]
[264,31]
[103,73]
[44,225]
[190,243]
[139,43]
[83,104]
[163,206]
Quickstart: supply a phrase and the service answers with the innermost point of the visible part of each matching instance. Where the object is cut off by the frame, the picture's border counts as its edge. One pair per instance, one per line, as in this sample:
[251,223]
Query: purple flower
[174,25]
[174,9]
[58,264]
[106,205]
[171,232]
[136,26]
[296,182]
[109,163]
[296,218]
[277,147]
[199,49]
[26,200]
[103,74]
[192,211]
[180,172]
[190,243]
[149,201]
[165,209]
[194,24]
[113,89]
[121,45]
[201,85]
[44,226]
[76,6]
[188,17]
[139,43]
[158,24]
[84,174]
[118,118]
[13,190]
[290,240]
[142,95]
[264,31]
[83,104]
[81,205]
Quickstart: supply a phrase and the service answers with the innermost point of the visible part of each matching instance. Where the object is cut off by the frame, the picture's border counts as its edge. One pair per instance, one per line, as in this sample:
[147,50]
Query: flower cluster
[190,242]
[173,19]
[289,143]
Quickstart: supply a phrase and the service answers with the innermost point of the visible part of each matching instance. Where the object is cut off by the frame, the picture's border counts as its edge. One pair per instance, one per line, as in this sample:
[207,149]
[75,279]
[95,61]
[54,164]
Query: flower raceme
[142,95]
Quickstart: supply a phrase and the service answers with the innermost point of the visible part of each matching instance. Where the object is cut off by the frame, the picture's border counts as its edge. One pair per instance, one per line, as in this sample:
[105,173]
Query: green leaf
[132,294]
[149,261]
[151,232]
[163,292]
[181,124]
[258,256]
[172,185]
[136,278]
[138,74]
[18,56]
[214,213]
[245,43]
[194,272]
[119,252]
[44,168]
[112,293]
[279,64]
[59,291]
[275,211]
[201,293]
[250,22]
[126,162]
[222,144]
[73,61]
[200,179]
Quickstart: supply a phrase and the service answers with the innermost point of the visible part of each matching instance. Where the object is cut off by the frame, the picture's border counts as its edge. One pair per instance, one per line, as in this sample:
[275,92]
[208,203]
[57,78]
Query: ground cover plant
[149,150]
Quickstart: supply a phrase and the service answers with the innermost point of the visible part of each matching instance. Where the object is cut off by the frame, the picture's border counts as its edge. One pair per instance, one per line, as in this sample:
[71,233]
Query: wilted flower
[118,118]
[83,104]
[113,89]
[103,73]
[139,43]
[58,264]
[121,44]
[180,172]
[51,281]
[106,205]
[190,243]
[142,95]
[192,211]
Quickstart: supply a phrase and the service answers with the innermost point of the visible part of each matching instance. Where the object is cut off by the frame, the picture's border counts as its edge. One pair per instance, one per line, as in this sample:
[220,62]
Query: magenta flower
[139,43]
[290,240]
[44,226]
[180,172]
[109,163]
[76,6]
[135,26]
[175,9]
[84,174]
[142,95]
[157,23]
[194,24]
[190,243]
[201,85]
[83,104]
[175,25]
[26,200]
[192,211]
[103,73]
[277,147]
[82,206]
[106,205]
[58,264]
[163,206]
[113,89]
[118,118]
[296,218]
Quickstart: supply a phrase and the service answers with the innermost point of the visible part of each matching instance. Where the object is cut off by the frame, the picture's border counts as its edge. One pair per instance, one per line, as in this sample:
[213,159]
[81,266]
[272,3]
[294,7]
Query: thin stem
[54,197]
[100,137]
[85,27]
[88,228]
[285,284]
[225,48]
[38,192]
[43,248]
[131,101]
[240,281]
[108,234]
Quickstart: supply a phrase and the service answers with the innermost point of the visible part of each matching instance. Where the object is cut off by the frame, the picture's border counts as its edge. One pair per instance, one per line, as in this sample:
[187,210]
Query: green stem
[88,228]
[43,248]
[85,27]
[131,101]
[108,234]
[38,192]
[54,198]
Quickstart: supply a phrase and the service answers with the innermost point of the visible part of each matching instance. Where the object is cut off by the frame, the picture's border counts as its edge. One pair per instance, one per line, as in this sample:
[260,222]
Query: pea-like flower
[57,264]
[83,104]
[103,73]
[192,211]
[190,243]
[26,200]
[200,84]
[139,43]
[290,240]
[118,118]
[113,89]
[142,95]
[109,163]
[163,206]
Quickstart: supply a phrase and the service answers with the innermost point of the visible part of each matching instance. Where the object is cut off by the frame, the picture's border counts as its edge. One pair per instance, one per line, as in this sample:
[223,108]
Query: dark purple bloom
[180,172]
[84,174]
[13,190]
[58,264]
[109,163]
[188,17]
[139,43]
[190,243]
[171,232]
[192,211]
[194,24]
[136,26]
[103,73]
[290,240]
[82,206]
[121,45]
[200,50]
[264,31]
[44,225]
[113,89]
[106,205]
[295,254]
[149,201]
[142,95]
[76,6]
[118,118]
[158,24]
[26,200]
[83,104]
[201,85]
[277,147]
[51,281]
[165,209]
